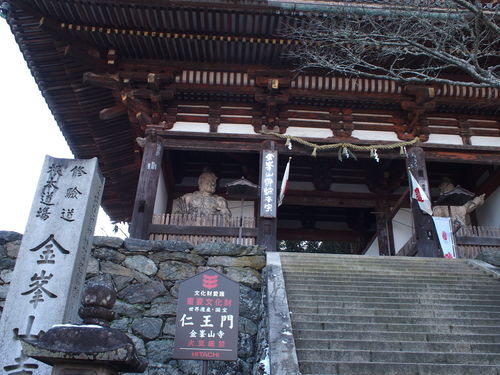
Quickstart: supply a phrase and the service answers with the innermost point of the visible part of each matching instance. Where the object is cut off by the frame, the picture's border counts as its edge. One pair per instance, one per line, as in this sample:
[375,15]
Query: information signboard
[207,318]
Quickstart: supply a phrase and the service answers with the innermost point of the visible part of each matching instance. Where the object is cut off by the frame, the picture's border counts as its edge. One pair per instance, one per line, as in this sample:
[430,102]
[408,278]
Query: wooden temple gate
[159,91]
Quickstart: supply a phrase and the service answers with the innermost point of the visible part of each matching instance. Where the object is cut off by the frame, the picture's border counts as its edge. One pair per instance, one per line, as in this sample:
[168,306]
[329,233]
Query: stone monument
[50,269]
[202,202]
[89,349]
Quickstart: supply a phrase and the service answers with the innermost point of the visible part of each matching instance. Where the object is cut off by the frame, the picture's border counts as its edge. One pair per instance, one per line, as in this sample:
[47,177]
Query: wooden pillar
[145,197]
[390,236]
[385,236]
[267,227]
[427,241]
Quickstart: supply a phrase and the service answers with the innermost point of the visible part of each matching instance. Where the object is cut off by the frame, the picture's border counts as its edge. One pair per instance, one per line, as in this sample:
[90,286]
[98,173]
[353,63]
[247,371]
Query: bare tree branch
[454,42]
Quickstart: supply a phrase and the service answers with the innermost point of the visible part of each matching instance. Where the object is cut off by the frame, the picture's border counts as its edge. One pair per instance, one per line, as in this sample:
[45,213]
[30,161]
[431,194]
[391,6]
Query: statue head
[446,185]
[207,182]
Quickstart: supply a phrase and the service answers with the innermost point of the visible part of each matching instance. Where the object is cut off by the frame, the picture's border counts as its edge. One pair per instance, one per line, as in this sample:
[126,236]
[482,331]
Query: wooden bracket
[423,101]
[341,122]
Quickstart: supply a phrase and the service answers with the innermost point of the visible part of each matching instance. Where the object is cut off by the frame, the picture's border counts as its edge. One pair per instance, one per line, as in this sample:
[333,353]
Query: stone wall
[146,275]
[9,247]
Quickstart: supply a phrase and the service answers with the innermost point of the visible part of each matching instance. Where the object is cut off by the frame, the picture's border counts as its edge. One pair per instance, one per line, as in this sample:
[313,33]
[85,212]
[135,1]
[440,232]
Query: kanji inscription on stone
[50,268]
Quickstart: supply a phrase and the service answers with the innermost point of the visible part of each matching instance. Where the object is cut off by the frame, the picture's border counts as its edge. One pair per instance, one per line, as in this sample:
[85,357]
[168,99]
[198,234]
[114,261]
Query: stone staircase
[354,315]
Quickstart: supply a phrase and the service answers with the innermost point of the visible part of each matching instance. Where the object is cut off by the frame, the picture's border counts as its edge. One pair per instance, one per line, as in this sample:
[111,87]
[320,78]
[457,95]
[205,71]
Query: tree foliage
[436,41]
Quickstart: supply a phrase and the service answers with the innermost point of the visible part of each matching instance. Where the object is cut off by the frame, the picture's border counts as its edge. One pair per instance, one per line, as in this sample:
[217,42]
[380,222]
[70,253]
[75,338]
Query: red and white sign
[445,234]
[419,194]
[207,318]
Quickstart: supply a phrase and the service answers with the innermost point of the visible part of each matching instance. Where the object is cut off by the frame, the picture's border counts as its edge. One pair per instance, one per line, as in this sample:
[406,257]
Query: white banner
[419,194]
[445,234]
[284,182]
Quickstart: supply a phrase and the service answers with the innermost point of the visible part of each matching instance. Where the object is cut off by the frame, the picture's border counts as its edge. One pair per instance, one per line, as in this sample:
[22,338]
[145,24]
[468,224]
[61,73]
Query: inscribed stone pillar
[52,261]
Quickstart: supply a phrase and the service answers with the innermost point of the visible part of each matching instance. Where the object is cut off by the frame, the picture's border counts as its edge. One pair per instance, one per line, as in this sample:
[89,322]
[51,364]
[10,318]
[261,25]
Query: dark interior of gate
[333,204]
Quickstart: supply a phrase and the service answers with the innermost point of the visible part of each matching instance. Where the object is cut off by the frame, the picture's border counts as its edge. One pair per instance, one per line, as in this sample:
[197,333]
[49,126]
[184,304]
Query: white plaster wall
[161,196]
[191,127]
[309,132]
[448,139]
[402,228]
[489,214]
[235,129]
[485,141]
[375,135]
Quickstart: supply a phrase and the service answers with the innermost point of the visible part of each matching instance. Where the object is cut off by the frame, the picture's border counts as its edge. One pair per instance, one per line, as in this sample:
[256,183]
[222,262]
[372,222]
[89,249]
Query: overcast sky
[28,133]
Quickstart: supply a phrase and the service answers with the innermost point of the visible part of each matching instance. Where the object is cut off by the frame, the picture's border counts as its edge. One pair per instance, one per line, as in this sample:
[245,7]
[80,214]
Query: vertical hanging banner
[206,326]
[445,234]
[419,194]
[284,182]
[268,183]
[50,269]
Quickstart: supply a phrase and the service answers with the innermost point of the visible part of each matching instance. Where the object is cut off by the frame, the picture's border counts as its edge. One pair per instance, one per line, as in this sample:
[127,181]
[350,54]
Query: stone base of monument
[89,349]
[68,369]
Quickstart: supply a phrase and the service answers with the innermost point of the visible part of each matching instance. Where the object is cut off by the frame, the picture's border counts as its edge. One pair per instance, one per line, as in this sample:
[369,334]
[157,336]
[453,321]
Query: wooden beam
[146,189]
[477,241]
[78,49]
[113,112]
[381,217]
[201,230]
[214,142]
[332,199]
[403,199]
[107,81]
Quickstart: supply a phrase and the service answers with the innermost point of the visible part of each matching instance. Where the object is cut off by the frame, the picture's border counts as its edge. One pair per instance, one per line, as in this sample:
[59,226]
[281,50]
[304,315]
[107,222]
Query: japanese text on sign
[207,318]
[268,183]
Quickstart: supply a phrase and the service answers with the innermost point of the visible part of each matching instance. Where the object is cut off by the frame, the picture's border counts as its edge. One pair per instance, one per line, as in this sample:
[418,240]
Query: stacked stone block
[146,276]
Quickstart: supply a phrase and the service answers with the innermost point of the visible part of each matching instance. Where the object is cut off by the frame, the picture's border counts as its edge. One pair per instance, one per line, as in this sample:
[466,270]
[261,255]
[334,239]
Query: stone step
[396,336]
[388,291]
[392,315]
[438,294]
[294,279]
[402,357]
[479,289]
[396,327]
[431,313]
[423,299]
[383,263]
[349,318]
[367,368]
[396,306]
[397,346]
[321,257]
[371,265]
[469,272]
[439,278]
